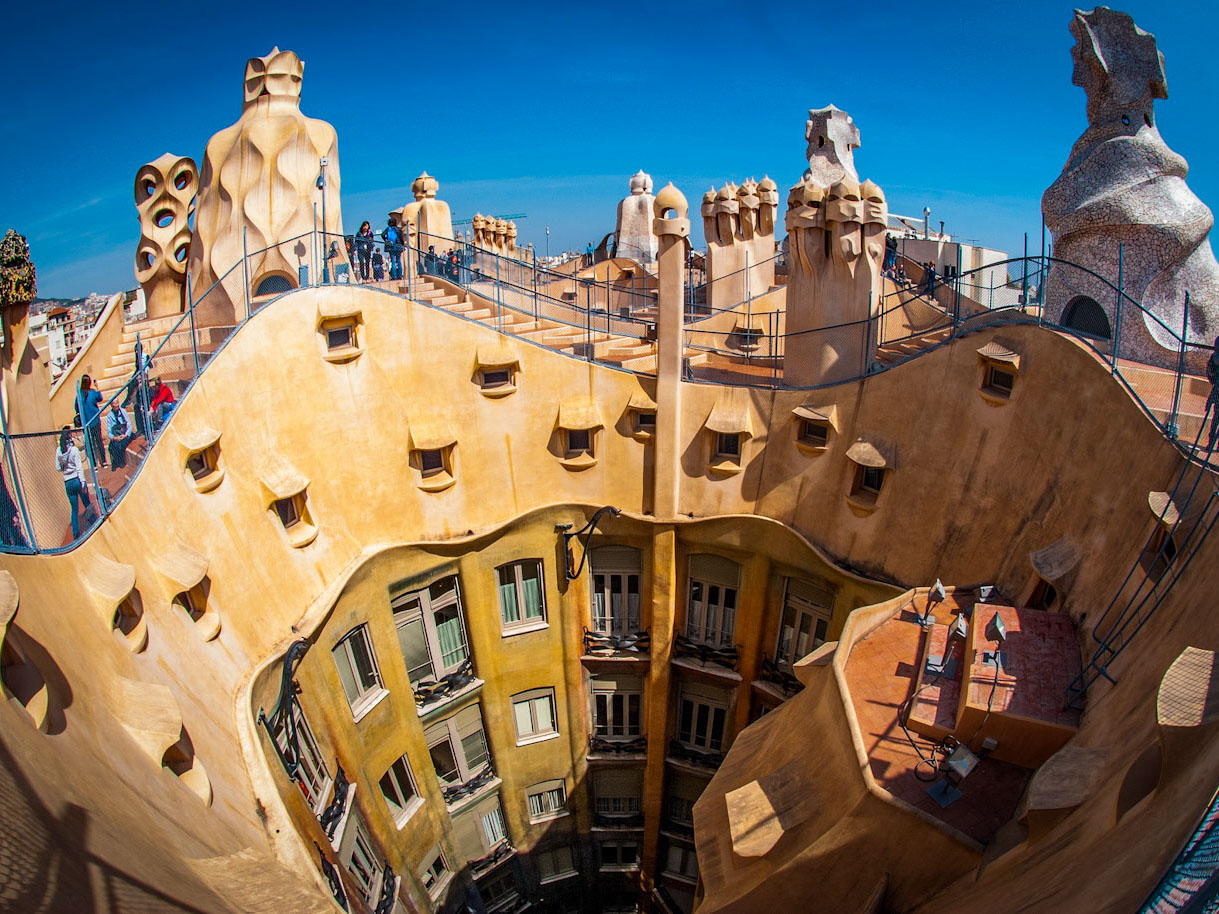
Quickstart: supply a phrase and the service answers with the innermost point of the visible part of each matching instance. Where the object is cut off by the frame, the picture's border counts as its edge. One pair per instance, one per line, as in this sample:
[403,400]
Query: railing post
[535,290]
[1117,317]
[588,324]
[774,347]
[1173,429]
[245,267]
[499,297]
[194,339]
[316,275]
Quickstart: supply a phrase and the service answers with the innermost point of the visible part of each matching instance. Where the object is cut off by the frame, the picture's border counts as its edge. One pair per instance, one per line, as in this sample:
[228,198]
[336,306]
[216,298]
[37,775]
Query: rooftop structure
[491,585]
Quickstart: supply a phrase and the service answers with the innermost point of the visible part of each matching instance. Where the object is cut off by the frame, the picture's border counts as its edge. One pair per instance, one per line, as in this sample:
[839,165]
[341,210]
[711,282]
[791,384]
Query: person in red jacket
[162,402]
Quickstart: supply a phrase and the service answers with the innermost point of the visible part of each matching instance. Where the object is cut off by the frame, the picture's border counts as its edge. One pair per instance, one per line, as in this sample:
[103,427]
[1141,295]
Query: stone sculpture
[260,177]
[430,218]
[165,192]
[836,238]
[1122,184]
[633,227]
[739,228]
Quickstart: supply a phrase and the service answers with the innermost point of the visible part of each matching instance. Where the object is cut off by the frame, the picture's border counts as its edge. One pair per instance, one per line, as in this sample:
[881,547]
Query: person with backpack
[392,236]
[121,432]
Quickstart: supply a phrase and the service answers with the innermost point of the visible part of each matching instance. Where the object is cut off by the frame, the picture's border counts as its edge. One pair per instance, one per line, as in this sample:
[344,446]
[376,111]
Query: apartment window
[554,863]
[202,464]
[579,442]
[534,713]
[680,861]
[869,479]
[434,874]
[703,716]
[1043,595]
[807,610]
[431,630]
[617,792]
[681,811]
[498,888]
[814,433]
[616,575]
[492,825]
[617,708]
[398,788]
[520,594]
[340,337]
[311,772]
[493,378]
[358,669]
[645,422]
[681,793]
[479,829]
[362,863]
[619,855]
[546,800]
[727,446]
[711,614]
[458,747]
[999,380]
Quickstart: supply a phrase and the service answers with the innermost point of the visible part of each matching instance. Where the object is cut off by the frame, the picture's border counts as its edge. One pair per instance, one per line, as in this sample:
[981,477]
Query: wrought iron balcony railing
[727,657]
[598,644]
[389,888]
[704,758]
[431,691]
[771,672]
[333,814]
[502,852]
[332,878]
[606,744]
[459,792]
[678,827]
[603,820]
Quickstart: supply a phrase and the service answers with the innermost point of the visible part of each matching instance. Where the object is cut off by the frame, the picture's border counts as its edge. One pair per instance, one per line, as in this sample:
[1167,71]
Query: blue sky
[967,108]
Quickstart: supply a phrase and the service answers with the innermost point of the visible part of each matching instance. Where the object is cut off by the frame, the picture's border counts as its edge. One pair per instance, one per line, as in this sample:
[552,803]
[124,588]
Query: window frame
[558,857]
[547,808]
[701,699]
[604,619]
[572,448]
[617,844]
[603,725]
[367,696]
[711,622]
[799,608]
[525,622]
[447,731]
[432,879]
[403,807]
[727,446]
[531,698]
[427,608]
[363,846]
[995,370]
[820,439]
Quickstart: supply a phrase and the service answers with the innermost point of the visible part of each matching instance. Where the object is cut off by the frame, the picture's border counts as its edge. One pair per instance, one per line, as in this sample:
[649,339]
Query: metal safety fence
[57,484]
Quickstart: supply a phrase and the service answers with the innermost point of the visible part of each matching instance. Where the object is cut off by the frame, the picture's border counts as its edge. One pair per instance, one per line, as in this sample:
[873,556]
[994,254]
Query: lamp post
[321,184]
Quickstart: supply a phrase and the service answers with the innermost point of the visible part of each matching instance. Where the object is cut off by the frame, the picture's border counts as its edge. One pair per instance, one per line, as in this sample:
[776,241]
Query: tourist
[890,253]
[588,252]
[88,410]
[392,235]
[363,245]
[378,266]
[431,261]
[11,533]
[67,461]
[120,432]
[929,279]
[452,265]
[162,403]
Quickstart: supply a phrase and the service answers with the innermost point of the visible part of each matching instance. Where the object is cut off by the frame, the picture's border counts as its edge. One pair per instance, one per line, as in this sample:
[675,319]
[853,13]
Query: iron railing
[704,758]
[600,644]
[457,792]
[609,320]
[432,691]
[726,657]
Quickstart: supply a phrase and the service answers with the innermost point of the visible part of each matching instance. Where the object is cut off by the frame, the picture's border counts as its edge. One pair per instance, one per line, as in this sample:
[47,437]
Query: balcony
[389,890]
[632,646]
[604,745]
[484,865]
[774,674]
[726,658]
[678,829]
[432,693]
[602,820]
[706,759]
[458,792]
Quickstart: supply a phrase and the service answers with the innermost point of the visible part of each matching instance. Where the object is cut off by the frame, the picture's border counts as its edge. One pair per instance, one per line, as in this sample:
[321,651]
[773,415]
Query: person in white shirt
[67,461]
